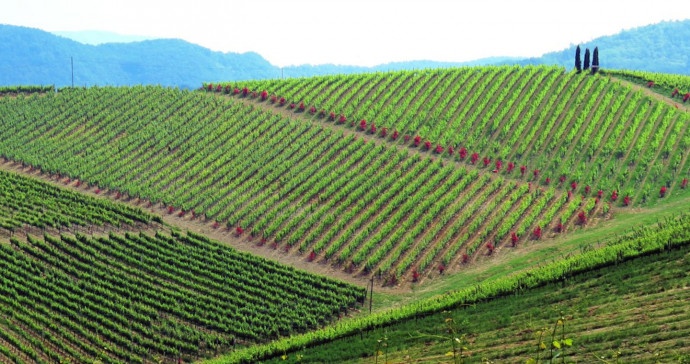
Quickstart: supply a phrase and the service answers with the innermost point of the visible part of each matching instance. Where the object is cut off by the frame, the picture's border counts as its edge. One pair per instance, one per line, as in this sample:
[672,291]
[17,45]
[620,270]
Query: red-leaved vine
[537,232]
[463,153]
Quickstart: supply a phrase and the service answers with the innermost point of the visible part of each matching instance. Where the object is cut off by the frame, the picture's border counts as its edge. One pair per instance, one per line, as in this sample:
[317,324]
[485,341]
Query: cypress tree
[586,67]
[578,62]
[595,60]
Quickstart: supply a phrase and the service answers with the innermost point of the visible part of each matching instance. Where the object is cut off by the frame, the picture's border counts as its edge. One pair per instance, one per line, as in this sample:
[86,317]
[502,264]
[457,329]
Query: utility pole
[71,61]
[371,295]
[281,73]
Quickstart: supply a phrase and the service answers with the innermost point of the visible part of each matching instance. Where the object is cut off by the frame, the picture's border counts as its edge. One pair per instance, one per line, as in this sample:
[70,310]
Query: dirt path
[655,95]
[245,243]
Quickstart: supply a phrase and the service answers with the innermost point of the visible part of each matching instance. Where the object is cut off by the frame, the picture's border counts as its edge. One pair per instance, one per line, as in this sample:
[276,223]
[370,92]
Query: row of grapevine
[668,234]
[674,86]
[135,298]
[25,89]
[26,201]
[485,111]
[368,208]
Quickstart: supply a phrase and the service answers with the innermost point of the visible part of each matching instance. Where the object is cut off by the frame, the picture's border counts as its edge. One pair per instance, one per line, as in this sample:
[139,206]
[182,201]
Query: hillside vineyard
[393,175]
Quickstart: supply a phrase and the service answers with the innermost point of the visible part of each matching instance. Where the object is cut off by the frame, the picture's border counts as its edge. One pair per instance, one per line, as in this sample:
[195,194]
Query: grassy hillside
[631,312]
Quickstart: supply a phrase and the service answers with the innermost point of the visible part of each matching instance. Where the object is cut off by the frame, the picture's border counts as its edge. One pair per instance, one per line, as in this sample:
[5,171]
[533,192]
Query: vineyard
[580,133]
[140,298]
[297,186]
[627,313]
[507,174]
[461,170]
[29,202]
[675,86]
[501,318]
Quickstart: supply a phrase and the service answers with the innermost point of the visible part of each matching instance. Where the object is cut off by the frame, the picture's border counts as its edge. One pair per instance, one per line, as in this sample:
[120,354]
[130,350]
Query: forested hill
[662,47]
[32,56]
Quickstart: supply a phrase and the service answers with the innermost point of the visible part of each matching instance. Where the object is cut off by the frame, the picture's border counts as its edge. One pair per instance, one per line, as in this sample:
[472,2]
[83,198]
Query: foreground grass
[632,312]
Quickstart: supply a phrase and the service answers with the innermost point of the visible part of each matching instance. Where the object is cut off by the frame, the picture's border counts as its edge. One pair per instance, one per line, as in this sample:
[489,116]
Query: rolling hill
[32,56]
[428,171]
[438,189]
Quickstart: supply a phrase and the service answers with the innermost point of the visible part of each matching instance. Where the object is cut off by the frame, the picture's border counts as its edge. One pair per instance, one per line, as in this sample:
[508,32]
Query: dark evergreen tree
[595,60]
[578,61]
[586,66]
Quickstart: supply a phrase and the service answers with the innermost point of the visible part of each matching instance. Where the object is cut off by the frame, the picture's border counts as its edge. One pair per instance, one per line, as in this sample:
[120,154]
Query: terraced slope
[298,186]
[142,298]
[582,133]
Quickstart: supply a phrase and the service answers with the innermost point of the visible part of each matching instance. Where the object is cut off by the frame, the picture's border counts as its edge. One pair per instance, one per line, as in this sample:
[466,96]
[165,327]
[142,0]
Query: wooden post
[371,294]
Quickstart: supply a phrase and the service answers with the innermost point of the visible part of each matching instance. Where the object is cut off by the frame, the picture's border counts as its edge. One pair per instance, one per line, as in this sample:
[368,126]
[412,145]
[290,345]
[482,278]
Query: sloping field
[26,202]
[387,208]
[584,133]
[634,312]
[141,298]
[635,308]
[370,208]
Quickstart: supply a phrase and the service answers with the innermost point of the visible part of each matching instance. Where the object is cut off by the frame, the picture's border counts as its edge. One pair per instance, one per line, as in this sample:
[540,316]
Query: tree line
[595,60]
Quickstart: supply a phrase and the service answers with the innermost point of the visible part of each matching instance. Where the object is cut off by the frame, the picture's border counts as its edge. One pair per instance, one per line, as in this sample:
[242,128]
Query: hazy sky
[355,31]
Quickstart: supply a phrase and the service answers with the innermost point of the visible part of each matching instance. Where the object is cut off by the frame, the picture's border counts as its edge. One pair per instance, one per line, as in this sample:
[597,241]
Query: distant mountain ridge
[35,57]
[662,47]
[97,37]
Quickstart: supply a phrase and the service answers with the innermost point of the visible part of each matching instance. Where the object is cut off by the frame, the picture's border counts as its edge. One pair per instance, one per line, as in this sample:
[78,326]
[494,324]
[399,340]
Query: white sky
[355,32]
